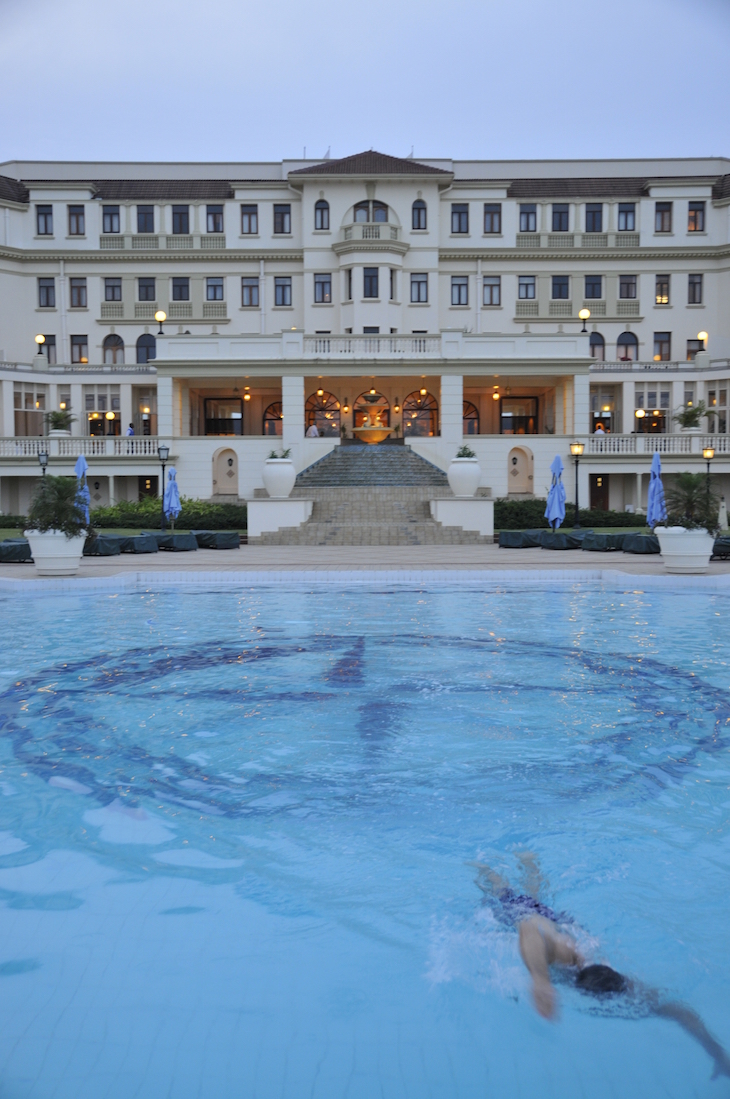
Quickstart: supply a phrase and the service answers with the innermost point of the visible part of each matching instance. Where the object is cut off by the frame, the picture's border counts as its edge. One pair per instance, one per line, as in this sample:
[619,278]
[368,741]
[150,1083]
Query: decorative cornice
[342,247]
[99,256]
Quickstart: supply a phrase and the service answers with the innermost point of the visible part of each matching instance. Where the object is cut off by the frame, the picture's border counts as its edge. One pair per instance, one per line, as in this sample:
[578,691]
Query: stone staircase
[371,496]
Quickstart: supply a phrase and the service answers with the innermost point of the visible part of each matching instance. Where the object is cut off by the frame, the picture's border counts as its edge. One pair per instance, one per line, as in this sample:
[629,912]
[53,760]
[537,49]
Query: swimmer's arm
[690,1021]
[542,945]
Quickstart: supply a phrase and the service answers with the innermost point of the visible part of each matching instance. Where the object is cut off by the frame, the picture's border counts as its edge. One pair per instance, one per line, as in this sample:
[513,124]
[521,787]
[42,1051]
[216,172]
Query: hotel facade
[440,297]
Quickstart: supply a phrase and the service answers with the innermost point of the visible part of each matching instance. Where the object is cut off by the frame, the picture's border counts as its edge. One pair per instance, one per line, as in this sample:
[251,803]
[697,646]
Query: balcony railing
[356,346]
[96,446]
[368,231]
[638,367]
[690,445]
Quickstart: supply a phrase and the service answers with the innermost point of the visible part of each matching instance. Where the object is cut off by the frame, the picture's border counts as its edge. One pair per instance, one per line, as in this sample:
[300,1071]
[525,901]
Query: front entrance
[599,491]
[520,477]
[225,473]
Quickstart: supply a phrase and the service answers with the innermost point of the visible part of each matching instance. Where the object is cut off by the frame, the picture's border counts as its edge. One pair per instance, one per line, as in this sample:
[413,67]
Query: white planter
[690,430]
[464,475]
[685,550]
[59,433]
[54,554]
[279,477]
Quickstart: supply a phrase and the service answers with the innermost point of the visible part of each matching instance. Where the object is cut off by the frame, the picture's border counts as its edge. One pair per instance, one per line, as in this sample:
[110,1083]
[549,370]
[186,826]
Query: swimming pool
[236,827]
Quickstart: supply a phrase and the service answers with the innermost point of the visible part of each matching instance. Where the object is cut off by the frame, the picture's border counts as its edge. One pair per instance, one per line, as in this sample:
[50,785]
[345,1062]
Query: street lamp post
[163,453]
[703,338]
[576,449]
[584,314]
[160,317]
[708,454]
[43,460]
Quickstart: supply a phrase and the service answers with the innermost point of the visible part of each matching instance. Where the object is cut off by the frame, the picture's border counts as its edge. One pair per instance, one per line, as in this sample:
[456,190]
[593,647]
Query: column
[627,408]
[126,412]
[79,426]
[8,408]
[639,479]
[452,413]
[292,407]
[581,404]
[164,407]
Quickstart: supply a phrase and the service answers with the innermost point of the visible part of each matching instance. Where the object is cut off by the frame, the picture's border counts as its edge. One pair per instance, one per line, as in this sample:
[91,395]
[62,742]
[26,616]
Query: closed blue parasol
[82,496]
[171,503]
[656,510]
[555,510]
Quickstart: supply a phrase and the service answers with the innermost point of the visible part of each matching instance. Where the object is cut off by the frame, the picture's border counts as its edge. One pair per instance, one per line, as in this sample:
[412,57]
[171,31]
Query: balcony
[561,309]
[96,446]
[180,311]
[179,242]
[370,231]
[649,445]
[112,310]
[594,240]
[628,309]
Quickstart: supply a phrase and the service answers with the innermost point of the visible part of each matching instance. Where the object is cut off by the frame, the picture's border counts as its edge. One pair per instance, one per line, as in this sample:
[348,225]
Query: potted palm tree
[689,417]
[58,423]
[57,526]
[464,472]
[692,522]
[279,474]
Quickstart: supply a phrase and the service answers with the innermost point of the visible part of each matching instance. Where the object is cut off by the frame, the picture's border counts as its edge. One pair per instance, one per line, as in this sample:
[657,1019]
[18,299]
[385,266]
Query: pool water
[236,831]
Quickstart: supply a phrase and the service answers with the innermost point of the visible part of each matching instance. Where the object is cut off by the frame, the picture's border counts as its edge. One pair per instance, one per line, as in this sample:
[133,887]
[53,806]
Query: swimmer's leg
[488,880]
[533,880]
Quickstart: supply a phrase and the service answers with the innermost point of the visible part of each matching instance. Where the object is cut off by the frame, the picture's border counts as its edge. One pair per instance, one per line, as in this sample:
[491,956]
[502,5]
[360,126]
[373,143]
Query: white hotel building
[293,289]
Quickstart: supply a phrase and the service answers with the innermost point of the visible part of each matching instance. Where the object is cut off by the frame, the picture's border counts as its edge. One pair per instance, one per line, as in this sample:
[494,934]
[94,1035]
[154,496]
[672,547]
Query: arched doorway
[322,411]
[371,404]
[225,473]
[146,348]
[520,471]
[420,414]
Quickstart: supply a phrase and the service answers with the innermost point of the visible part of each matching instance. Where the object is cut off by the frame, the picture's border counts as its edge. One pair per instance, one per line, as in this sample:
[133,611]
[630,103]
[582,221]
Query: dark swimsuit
[515,907]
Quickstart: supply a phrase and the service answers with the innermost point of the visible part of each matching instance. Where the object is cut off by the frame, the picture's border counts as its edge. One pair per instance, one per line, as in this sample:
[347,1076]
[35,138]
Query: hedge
[195,515]
[13,522]
[530,515]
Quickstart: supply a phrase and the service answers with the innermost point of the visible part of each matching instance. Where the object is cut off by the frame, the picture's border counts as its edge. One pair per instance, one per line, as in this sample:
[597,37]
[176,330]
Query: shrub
[690,415]
[530,515]
[13,522]
[55,507]
[465,452]
[692,504]
[195,515]
[60,420]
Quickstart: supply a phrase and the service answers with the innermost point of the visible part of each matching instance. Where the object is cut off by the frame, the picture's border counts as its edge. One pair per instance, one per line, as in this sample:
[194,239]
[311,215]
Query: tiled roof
[119,190]
[12,190]
[603,187]
[370,163]
[721,188]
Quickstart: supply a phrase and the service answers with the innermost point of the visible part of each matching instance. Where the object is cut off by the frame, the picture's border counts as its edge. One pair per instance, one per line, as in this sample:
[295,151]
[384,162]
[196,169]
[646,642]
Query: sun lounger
[217,539]
[641,543]
[15,549]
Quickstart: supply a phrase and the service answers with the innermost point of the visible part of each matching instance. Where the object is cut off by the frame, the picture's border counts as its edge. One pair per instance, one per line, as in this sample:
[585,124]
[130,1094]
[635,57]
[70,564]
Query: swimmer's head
[600,980]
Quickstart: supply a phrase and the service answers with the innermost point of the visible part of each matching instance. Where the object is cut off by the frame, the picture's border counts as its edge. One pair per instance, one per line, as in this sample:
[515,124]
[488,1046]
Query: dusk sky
[233,80]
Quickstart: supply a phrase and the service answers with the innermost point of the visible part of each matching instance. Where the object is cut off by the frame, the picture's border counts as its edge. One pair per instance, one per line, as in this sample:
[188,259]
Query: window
[627,286]
[371,330]
[694,290]
[526,286]
[662,346]
[696,217]
[597,345]
[323,289]
[594,217]
[492,217]
[44,221]
[627,347]
[663,217]
[693,346]
[419,288]
[362,211]
[113,347]
[273,419]
[518,416]
[214,289]
[626,217]
[561,215]
[146,348]
[49,350]
[528,217]
[223,416]
[249,220]
[282,291]
[492,290]
[76,221]
[561,287]
[249,292]
[181,289]
[418,214]
[145,219]
[146,289]
[459,217]
[420,414]
[282,219]
[393,284]
[323,412]
[321,214]
[470,419]
[594,286]
[348,284]
[78,293]
[370,282]
[214,218]
[181,219]
[112,289]
[662,290]
[380,211]
[459,289]
[47,293]
[110,219]
[79,349]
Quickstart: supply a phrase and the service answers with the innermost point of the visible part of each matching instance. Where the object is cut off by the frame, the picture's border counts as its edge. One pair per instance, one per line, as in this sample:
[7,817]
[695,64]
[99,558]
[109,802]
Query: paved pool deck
[406,559]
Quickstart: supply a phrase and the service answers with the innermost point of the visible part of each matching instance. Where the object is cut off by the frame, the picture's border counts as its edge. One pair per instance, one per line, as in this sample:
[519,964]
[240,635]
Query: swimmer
[545,942]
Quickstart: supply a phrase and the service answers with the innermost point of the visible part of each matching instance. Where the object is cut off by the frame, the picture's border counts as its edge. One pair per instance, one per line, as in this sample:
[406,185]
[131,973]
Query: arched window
[146,348]
[113,350]
[471,418]
[598,346]
[420,414]
[273,419]
[418,213]
[362,212]
[371,407]
[323,412]
[380,211]
[627,347]
[321,214]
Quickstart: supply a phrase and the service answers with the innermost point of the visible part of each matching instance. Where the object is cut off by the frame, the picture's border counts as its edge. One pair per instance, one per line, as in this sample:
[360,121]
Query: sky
[233,80]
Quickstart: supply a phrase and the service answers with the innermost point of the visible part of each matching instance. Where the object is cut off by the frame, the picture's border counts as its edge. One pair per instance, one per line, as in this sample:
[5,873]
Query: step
[371,465]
